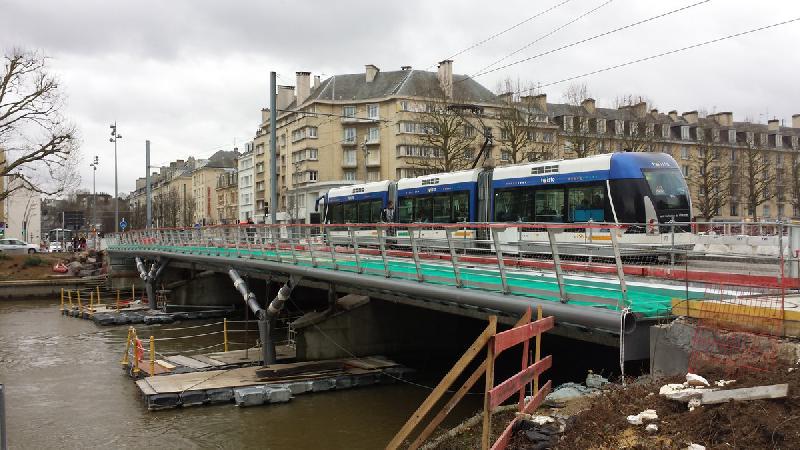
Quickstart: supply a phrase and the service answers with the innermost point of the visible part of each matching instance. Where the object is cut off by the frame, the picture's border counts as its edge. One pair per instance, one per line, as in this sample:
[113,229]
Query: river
[65,389]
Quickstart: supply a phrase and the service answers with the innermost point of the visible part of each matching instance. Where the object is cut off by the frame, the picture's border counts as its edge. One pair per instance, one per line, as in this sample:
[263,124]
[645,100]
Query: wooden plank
[741,394]
[165,364]
[144,386]
[187,361]
[443,385]
[538,398]
[449,406]
[281,370]
[506,389]
[371,362]
[505,437]
[514,336]
[209,361]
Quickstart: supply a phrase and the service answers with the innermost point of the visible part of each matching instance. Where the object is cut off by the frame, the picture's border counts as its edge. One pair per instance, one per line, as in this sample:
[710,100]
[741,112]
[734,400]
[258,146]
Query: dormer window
[685,133]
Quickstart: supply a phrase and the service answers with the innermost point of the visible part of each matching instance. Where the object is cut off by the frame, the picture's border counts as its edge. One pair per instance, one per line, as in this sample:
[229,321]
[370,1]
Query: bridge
[598,283]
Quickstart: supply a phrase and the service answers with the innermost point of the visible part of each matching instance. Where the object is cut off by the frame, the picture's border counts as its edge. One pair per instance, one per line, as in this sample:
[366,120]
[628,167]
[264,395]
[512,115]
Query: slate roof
[417,83]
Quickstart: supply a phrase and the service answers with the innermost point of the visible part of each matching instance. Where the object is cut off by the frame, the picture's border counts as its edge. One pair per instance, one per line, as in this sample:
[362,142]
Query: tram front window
[668,188]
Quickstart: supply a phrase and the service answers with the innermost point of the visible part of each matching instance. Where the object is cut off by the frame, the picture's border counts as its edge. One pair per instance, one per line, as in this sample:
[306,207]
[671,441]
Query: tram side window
[550,205]
[423,209]
[350,213]
[587,203]
[461,207]
[375,208]
[405,210]
[363,212]
[513,205]
[441,208]
[336,213]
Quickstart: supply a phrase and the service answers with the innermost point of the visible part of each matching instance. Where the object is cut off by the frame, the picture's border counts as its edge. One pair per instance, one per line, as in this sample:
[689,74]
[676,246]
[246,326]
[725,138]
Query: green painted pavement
[649,301]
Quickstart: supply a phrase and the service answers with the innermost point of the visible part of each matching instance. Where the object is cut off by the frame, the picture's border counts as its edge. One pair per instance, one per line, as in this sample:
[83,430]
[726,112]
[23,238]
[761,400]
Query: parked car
[55,247]
[10,245]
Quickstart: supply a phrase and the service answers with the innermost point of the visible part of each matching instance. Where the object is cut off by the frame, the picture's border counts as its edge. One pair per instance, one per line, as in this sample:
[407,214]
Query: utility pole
[148,193]
[273,159]
[94,165]
[114,138]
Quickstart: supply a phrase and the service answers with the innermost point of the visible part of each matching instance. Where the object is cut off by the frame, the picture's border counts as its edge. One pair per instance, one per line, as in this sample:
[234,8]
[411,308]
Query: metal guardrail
[576,262]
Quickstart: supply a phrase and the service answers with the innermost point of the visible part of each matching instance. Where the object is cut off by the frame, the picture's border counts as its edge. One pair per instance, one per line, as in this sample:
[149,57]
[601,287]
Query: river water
[65,389]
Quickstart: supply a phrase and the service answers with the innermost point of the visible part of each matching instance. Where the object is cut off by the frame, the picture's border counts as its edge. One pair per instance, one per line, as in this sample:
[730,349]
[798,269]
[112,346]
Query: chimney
[639,109]
[506,98]
[725,119]
[773,125]
[540,102]
[673,115]
[588,105]
[180,162]
[446,77]
[405,67]
[316,81]
[372,71]
[303,86]
[264,115]
[285,97]
[796,121]
[690,116]
[654,112]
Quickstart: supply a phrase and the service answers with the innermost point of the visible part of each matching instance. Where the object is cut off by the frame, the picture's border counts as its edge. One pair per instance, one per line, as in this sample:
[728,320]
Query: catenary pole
[273,161]
[149,200]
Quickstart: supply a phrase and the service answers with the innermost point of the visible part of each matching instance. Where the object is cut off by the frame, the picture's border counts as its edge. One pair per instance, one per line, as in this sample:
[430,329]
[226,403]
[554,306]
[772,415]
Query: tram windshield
[668,188]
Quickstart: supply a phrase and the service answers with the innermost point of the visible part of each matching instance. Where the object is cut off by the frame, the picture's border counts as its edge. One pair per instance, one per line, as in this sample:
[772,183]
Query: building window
[734,209]
[350,135]
[374,175]
[601,126]
[685,170]
[731,136]
[350,175]
[780,211]
[312,175]
[505,155]
[349,111]
[404,105]
[547,137]
[684,152]
[469,131]
[779,160]
[349,157]
[373,111]
[766,211]
[619,127]
[665,131]
[685,133]
[374,134]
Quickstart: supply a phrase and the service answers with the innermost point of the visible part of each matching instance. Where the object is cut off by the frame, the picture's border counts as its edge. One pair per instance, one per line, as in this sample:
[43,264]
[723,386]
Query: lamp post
[94,165]
[114,138]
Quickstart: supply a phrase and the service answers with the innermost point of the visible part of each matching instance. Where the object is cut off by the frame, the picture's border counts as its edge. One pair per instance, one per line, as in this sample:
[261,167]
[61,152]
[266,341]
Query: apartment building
[228,196]
[171,188]
[354,128]
[246,182]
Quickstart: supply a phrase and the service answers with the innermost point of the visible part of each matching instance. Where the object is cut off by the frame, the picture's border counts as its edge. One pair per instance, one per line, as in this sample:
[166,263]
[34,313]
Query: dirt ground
[13,268]
[755,424]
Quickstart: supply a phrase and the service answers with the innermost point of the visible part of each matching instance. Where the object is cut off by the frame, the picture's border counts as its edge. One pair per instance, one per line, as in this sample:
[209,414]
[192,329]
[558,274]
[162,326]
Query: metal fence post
[331,247]
[415,254]
[562,291]
[310,240]
[354,242]
[620,271]
[276,241]
[453,257]
[500,264]
[382,246]
[289,232]
[672,246]
[781,261]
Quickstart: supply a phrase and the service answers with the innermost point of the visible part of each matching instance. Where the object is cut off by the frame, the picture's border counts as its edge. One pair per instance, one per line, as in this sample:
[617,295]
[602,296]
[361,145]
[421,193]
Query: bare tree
[448,136]
[40,145]
[518,127]
[577,135]
[757,177]
[711,176]
[188,209]
[794,184]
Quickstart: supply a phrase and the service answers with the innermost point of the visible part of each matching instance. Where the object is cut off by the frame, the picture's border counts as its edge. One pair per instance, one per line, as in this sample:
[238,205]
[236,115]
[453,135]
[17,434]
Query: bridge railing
[568,259]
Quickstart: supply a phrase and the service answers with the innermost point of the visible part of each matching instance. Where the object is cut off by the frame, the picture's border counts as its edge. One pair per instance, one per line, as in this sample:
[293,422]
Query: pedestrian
[387,215]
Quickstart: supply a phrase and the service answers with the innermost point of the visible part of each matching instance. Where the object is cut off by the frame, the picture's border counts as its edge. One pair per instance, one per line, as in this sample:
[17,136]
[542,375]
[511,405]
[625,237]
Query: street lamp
[114,138]
[94,165]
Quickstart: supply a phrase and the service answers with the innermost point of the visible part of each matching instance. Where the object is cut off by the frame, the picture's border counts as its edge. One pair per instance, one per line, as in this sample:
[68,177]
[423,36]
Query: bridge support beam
[151,278]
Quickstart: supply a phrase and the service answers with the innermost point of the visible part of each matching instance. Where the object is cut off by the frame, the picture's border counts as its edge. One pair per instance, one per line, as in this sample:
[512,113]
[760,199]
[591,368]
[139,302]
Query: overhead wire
[548,34]
[500,33]
[590,38]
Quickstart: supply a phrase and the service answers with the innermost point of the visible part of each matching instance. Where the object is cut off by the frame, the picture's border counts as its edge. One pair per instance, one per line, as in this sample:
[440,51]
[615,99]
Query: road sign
[123,224]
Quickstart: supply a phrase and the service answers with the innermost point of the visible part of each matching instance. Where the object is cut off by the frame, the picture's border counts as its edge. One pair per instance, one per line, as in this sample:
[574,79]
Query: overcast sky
[192,76]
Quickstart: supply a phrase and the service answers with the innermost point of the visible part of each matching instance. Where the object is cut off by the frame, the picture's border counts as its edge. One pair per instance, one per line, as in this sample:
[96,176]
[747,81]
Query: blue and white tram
[358,204]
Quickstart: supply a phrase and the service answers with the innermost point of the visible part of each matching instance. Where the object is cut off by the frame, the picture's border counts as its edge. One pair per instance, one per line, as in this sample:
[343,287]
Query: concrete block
[250,396]
[753,393]
[322,385]
[343,382]
[278,394]
[300,387]
[157,402]
[121,319]
[192,398]
[221,395]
